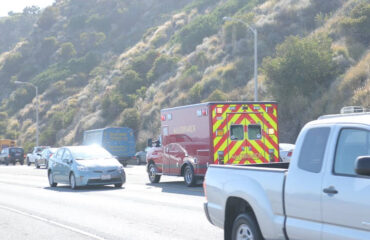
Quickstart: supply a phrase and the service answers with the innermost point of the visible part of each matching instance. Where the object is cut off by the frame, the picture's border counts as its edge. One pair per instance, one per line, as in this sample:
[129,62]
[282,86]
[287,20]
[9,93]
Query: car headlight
[120,169]
[82,168]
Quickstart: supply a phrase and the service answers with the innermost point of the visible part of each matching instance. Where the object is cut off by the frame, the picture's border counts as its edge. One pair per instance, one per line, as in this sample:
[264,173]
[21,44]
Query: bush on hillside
[163,65]
[129,82]
[357,25]
[301,67]
[216,95]
[130,118]
[48,18]
[67,51]
[13,63]
[143,63]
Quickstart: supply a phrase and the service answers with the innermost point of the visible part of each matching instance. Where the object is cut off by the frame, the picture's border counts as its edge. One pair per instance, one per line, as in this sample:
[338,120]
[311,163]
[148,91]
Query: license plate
[105,177]
[17,154]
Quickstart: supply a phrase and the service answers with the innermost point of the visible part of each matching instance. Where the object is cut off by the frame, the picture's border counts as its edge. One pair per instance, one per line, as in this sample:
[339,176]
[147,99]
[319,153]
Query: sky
[18,5]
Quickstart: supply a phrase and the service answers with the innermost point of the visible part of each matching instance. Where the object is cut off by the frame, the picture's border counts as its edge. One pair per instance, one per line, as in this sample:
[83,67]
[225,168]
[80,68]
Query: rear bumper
[205,206]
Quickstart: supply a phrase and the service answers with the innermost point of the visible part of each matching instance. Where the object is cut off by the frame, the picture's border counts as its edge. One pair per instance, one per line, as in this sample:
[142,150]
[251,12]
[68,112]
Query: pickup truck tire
[189,176]
[37,164]
[28,161]
[153,177]
[245,227]
[51,179]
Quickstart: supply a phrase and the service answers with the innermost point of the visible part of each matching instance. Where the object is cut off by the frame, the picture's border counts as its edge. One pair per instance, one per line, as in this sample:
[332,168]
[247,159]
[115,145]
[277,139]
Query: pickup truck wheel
[51,180]
[153,177]
[189,177]
[245,227]
[37,164]
[28,161]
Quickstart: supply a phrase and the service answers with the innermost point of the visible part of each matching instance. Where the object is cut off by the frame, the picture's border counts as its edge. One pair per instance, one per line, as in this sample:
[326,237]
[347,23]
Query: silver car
[85,165]
[286,151]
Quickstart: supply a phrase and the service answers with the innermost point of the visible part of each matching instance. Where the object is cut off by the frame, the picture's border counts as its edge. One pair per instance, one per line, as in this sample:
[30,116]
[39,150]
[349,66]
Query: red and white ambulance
[194,136]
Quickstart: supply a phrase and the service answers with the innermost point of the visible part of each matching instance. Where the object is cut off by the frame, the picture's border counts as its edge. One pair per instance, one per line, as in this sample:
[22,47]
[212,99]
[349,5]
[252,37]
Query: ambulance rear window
[236,132]
[254,132]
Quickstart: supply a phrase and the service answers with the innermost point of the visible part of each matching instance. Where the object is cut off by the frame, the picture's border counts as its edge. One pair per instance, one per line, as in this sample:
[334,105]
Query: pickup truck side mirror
[363,165]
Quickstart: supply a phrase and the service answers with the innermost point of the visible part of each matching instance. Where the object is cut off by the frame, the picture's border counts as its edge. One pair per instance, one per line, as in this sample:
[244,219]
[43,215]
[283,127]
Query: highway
[30,209]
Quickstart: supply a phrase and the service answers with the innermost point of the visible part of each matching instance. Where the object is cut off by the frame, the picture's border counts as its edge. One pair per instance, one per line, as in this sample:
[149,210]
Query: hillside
[118,62]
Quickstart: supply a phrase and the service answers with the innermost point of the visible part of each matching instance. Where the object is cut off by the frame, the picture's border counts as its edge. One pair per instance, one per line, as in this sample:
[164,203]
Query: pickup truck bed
[265,181]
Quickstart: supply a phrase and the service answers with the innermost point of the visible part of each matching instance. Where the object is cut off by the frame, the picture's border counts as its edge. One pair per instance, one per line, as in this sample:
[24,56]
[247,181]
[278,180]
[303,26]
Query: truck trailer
[194,136]
[118,141]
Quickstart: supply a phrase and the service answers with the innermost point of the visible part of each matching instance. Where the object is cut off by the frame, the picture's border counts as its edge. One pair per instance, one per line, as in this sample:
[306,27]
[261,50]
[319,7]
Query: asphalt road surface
[30,209]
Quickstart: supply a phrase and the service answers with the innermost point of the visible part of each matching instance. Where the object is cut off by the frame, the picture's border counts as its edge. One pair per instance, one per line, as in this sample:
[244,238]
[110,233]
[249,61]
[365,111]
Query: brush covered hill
[104,63]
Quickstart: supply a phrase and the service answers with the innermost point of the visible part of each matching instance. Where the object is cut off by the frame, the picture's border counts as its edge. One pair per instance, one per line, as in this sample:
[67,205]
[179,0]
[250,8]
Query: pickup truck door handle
[330,190]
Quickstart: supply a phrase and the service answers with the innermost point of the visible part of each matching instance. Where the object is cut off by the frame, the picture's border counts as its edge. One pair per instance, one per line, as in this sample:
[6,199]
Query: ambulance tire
[245,226]
[189,176]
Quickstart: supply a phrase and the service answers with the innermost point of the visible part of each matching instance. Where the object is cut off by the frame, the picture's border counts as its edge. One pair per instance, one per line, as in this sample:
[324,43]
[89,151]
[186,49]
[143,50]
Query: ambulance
[194,136]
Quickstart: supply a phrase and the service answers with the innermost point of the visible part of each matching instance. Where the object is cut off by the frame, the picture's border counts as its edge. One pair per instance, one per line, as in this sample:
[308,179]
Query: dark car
[12,155]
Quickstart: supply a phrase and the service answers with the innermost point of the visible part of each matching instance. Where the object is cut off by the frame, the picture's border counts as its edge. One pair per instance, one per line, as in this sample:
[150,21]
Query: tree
[357,24]
[31,10]
[297,77]
[130,82]
[301,67]
[48,18]
[131,119]
[66,51]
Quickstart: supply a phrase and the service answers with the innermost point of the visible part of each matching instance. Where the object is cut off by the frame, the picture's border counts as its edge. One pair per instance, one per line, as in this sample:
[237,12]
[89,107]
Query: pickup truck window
[313,149]
[351,144]
[236,132]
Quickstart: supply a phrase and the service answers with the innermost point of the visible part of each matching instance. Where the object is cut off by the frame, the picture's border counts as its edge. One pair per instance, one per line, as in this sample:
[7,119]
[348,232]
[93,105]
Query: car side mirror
[363,165]
[150,142]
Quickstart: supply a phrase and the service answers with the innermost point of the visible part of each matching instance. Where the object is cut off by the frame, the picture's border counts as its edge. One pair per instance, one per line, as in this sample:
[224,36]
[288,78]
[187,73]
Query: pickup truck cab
[323,193]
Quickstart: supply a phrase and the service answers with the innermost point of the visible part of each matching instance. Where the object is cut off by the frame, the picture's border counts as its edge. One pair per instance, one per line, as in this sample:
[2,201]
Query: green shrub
[162,65]
[216,95]
[143,63]
[48,18]
[357,24]
[112,105]
[48,136]
[195,93]
[301,67]
[13,63]
[51,75]
[66,51]
[189,77]
[131,119]
[129,83]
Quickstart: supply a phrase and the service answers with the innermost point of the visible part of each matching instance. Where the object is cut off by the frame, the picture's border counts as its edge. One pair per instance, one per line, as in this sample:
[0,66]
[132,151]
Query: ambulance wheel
[153,177]
[189,177]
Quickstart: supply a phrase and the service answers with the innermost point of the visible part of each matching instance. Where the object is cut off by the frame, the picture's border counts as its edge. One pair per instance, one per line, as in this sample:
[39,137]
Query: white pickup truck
[323,193]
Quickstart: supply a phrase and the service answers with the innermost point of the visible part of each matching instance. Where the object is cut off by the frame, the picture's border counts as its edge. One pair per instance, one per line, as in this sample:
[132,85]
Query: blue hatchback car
[83,166]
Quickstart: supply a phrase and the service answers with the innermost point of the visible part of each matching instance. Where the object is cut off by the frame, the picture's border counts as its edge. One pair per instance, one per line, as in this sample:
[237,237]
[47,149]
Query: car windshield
[16,150]
[89,153]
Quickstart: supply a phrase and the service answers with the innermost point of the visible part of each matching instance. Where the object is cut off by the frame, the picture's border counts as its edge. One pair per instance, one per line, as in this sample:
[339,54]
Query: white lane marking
[53,222]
